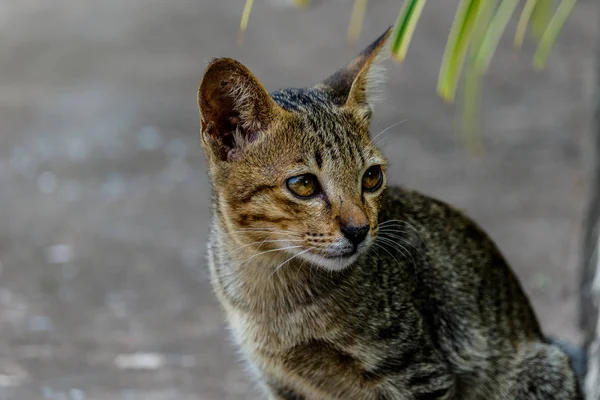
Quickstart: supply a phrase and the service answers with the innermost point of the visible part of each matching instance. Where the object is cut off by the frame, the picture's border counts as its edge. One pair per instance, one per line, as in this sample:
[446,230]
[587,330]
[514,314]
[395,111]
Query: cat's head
[295,170]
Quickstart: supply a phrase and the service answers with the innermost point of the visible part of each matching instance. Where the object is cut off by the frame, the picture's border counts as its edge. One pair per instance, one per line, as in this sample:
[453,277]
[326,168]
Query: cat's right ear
[234,108]
[353,85]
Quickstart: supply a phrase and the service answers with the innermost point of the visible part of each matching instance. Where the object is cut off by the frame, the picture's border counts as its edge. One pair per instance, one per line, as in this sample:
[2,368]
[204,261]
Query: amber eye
[372,179]
[303,185]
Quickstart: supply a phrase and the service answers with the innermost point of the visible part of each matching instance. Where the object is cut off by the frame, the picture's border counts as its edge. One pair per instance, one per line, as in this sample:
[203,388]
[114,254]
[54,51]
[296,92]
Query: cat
[338,286]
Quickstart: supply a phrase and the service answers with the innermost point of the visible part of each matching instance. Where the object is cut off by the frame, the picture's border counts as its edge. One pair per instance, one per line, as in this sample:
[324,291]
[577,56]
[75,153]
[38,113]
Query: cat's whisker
[261,242]
[397,249]
[392,220]
[391,228]
[398,233]
[260,227]
[395,235]
[401,249]
[290,259]
[265,233]
[398,222]
[404,223]
[389,235]
[386,250]
[404,240]
[387,129]
[393,223]
[263,230]
[301,264]
[269,251]
[379,142]
[404,251]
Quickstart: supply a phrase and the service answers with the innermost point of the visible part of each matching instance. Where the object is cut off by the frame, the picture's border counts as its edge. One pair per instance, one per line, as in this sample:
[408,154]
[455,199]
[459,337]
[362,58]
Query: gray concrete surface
[104,200]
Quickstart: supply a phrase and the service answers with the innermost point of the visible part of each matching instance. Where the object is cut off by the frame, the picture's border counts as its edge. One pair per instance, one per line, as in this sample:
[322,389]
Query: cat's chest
[268,339]
[271,334]
[362,365]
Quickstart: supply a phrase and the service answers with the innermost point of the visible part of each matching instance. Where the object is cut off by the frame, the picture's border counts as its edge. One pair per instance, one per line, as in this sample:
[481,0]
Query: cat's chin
[335,263]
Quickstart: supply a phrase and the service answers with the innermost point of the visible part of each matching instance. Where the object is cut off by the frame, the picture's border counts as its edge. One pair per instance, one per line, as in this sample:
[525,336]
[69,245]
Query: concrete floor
[105,201]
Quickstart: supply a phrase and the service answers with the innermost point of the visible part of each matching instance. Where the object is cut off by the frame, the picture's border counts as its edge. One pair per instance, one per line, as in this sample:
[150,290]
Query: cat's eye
[303,185]
[372,179]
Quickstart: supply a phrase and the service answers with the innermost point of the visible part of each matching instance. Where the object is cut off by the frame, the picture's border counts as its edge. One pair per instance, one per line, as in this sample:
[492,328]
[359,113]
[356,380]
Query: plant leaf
[244,21]
[471,97]
[484,18]
[526,14]
[494,33]
[356,20]
[301,3]
[456,47]
[554,26]
[405,28]
[541,15]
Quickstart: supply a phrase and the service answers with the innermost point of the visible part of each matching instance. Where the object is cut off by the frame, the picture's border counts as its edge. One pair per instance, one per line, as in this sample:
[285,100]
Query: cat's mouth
[334,259]
[342,255]
[331,262]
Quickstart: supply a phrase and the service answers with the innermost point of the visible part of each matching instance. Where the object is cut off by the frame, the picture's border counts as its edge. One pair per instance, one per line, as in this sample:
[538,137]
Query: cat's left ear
[353,85]
[234,108]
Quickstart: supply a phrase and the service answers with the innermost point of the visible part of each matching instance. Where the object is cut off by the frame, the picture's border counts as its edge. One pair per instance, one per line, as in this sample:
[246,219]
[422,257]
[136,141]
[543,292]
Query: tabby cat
[336,286]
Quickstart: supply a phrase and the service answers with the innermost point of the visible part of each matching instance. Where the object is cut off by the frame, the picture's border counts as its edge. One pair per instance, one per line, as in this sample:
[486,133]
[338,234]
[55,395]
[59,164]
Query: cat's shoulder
[399,199]
[422,210]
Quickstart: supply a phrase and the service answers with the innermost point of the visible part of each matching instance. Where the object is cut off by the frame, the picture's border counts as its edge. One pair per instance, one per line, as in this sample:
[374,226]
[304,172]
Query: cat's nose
[355,233]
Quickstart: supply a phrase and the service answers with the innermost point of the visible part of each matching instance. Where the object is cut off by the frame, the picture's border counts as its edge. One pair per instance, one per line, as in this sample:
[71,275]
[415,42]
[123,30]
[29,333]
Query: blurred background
[105,202]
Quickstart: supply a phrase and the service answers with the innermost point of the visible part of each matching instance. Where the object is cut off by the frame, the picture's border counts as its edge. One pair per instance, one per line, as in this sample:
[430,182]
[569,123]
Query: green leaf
[301,3]
[405,27]
[484,19]
[356,21]
[244,20]
[471,97]
[494,33]
[554,26]
[541,15]
[456,47]
[526,14]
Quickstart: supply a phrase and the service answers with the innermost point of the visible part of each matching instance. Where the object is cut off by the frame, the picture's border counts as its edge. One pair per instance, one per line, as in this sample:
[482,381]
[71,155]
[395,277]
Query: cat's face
[294,172]
[311,184]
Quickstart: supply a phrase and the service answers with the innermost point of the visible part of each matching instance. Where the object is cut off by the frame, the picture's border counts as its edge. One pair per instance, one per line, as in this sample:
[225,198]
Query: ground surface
[105,201]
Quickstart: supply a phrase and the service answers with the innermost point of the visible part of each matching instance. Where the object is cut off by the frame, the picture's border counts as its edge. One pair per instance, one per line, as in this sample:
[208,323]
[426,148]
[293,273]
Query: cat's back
[459,279]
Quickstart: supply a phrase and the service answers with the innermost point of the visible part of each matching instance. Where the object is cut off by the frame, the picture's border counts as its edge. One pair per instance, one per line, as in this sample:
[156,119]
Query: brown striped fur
[426,307]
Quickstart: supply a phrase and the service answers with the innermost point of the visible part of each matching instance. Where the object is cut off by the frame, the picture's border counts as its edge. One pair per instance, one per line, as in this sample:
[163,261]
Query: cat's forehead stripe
[323,123]
[319,159]
[305,99]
